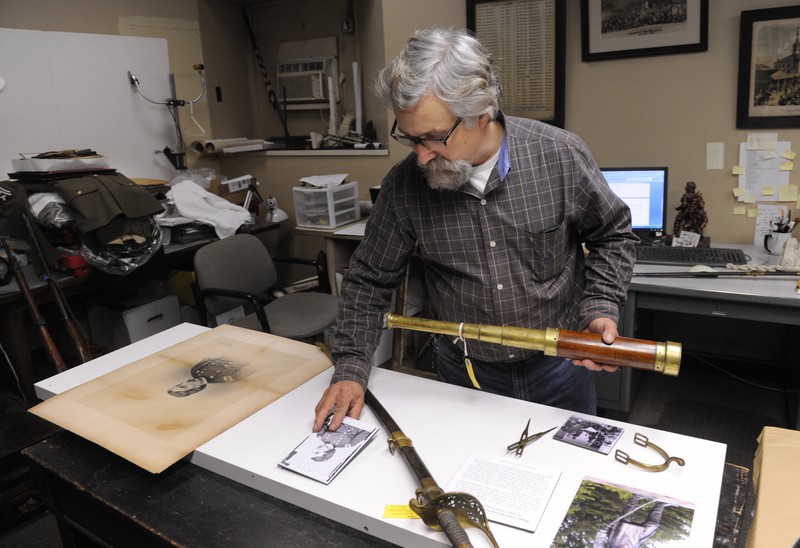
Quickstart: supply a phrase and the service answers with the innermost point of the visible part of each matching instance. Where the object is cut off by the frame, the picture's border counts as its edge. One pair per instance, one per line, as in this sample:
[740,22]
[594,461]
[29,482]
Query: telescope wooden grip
[635,353]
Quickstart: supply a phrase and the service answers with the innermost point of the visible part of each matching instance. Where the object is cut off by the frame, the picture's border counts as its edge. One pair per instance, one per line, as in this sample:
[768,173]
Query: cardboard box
[223,191]
[113,328]
[776,477]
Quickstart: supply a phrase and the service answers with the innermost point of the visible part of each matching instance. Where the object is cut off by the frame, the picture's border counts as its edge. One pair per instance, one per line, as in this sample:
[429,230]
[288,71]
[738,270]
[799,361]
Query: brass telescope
[640,354]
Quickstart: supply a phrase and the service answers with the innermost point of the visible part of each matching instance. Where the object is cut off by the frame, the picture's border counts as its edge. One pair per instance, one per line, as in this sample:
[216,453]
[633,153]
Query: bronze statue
[691,213]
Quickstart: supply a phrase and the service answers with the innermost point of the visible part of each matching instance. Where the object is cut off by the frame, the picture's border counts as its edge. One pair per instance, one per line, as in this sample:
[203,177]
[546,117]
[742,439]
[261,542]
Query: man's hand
[608,328]
[347,397]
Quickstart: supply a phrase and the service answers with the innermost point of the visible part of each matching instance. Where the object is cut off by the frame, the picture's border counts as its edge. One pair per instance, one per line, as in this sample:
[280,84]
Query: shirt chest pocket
[545,251]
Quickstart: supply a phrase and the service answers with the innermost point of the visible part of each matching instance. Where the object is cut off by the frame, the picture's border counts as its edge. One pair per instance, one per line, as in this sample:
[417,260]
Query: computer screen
[644,189]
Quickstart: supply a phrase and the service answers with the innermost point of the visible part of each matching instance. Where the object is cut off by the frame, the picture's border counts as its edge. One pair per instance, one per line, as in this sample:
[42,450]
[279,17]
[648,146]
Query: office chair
[239,270]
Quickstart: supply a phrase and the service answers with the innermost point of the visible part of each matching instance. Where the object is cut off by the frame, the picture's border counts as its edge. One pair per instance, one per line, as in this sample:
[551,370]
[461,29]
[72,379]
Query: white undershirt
[480,174]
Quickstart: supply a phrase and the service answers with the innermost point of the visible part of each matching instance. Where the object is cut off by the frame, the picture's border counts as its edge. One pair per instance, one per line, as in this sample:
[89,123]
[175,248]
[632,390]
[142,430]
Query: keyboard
[720,256]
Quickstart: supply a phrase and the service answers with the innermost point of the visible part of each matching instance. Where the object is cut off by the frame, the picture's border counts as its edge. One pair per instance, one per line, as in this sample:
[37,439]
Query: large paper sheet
[158,409]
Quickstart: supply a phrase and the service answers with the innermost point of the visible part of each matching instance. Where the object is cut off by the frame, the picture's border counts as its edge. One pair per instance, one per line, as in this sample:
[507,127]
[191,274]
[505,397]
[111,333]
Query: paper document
[513,492]
[325,181]
[356,229]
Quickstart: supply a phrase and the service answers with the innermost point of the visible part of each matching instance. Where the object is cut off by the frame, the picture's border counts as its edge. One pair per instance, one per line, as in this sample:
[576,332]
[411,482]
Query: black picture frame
[623,35]
[538,95]
[765,98]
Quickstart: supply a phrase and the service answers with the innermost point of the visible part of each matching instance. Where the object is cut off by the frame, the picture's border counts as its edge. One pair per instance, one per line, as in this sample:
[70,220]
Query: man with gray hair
[511,219]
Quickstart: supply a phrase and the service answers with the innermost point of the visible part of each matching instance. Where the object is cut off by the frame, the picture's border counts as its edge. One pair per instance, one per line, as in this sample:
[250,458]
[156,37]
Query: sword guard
[466,507]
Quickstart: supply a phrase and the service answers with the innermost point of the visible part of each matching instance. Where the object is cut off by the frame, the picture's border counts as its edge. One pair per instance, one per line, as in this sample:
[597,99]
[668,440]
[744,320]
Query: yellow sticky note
[752,212]
[787,166]
[738,191]
[768,191]
[789,154]
[399,511]
[737,170]
[748,199]
[787,193]
[739,209]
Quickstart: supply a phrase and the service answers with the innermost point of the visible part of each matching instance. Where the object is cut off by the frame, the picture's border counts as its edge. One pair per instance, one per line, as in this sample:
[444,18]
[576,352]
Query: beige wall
[650,110]
[663,110]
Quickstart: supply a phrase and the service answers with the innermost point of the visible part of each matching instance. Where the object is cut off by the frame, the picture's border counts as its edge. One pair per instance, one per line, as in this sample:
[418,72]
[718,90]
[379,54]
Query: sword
[640,354]
[448,512]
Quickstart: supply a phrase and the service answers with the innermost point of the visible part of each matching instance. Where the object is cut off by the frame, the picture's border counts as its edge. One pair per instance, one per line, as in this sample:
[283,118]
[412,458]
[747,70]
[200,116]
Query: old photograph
[592,435]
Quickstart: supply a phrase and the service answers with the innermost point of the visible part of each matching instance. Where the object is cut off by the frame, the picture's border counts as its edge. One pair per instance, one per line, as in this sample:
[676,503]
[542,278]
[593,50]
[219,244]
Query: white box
[113,329]
[326,207]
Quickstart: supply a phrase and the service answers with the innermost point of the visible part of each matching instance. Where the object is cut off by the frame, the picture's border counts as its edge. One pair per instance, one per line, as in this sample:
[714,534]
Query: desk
[248,454]
[771,301]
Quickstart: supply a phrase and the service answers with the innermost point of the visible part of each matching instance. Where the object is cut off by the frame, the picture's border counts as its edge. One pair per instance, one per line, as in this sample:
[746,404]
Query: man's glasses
[427,142]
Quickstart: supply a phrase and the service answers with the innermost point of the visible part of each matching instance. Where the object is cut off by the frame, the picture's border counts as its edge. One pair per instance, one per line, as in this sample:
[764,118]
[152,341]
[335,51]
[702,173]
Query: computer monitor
[644,190]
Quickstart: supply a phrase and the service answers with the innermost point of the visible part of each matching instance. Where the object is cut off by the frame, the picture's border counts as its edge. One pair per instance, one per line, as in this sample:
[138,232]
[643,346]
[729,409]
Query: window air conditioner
[304,82]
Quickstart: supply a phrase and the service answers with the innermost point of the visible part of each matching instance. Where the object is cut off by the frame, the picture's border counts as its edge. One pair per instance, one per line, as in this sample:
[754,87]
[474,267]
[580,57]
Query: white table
[446,423]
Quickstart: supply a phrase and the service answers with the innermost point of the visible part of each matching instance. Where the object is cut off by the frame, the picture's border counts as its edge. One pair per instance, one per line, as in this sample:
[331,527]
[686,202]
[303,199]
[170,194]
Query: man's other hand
[608,329]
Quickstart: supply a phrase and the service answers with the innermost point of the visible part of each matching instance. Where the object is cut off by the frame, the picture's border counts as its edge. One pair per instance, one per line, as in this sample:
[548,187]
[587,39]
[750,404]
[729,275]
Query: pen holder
[774,241]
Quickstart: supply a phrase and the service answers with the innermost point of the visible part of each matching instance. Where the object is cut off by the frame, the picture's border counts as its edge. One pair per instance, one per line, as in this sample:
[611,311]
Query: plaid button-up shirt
[510,256]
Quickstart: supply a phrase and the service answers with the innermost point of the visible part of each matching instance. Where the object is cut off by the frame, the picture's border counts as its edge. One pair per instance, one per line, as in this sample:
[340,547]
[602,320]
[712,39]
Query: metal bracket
[641,439]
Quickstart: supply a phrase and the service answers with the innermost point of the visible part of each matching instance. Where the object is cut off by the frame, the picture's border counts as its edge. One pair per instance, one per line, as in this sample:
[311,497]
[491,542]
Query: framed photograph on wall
[611,29]
[527,40]
[769,68]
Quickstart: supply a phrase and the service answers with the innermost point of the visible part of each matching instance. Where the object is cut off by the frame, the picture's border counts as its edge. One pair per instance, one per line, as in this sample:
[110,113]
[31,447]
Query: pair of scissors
[525,440]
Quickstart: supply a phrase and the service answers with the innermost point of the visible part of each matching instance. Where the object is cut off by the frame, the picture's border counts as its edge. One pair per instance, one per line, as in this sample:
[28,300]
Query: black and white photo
[593,435]
[634,28]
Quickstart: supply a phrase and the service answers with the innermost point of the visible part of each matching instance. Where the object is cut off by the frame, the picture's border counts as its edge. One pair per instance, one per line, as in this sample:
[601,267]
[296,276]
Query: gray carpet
[714,400]
[737,428]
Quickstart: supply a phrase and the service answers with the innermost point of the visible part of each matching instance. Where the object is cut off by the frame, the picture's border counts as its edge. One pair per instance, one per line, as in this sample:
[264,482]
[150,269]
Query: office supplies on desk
[653,254]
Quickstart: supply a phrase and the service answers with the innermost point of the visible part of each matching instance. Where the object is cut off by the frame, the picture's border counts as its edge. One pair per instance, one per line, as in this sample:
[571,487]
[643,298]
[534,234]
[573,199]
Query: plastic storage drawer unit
[326,207]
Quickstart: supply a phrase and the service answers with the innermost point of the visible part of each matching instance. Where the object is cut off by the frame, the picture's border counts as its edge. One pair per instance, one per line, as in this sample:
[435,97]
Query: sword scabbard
[448,512]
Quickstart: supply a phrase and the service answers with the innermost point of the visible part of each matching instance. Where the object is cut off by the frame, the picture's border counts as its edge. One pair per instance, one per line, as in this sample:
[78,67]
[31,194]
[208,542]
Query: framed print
[527,40]
[611,29]
[769,68]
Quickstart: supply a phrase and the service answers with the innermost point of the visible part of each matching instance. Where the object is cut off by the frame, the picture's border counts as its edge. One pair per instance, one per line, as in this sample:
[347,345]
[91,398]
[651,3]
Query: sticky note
[752,212]
[739,209]
[737,170]
[748,199]
[787,193]
[787,166]
[768,191]
[738,191]
[789,154]
[399,511]
[769,154]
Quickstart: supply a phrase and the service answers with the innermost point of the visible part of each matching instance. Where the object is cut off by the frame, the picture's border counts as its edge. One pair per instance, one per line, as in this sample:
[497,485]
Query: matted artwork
[156,410]
[605,514]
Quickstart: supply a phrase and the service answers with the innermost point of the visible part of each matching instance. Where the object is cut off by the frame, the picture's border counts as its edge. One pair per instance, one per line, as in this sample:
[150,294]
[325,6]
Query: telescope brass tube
[627,352]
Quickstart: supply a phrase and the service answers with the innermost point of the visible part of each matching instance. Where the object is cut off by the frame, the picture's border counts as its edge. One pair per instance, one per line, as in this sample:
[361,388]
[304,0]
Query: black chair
[239,270]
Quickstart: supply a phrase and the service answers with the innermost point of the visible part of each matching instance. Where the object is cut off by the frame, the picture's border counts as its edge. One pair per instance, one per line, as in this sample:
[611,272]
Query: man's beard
[447,175]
